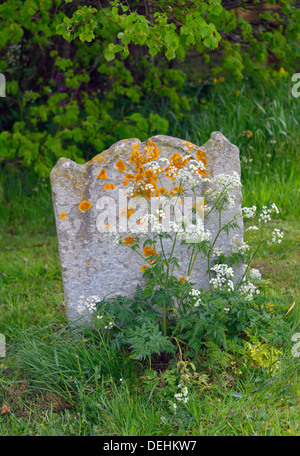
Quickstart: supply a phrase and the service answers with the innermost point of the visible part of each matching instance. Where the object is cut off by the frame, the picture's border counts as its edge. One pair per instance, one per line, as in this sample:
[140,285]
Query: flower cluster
[254,274]
[182,396]
[192,233]
[88,305]
[217,252]
[265,215]
[253,227]
[225,184]
[228,181]
[277,236]
[151,168]
[195,295]
[248,290]
[238,245]
[224,274]
[249,212]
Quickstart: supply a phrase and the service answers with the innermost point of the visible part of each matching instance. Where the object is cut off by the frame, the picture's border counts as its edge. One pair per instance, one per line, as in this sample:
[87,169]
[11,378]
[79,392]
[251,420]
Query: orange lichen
[149,174]
[140,176]
[102,174]
[84,206]
[189,145]
[139,159]
[109,186]
[120,165]
[63,216]
[200,154]
[129,240]
[148,251]
[152,151]
[178,190]
[129,176]
[127,211]
[176,163]
[202,172]
[161,191]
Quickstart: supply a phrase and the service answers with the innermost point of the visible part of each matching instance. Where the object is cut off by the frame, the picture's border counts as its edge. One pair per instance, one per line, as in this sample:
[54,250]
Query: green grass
[60,383]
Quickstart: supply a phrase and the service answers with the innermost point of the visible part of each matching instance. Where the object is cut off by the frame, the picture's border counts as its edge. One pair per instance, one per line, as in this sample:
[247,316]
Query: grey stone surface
[90,264]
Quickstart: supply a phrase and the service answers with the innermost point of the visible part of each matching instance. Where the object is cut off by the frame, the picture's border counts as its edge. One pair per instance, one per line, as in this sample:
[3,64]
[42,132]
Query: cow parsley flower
[254,274]
[238,245]
[277,236]
[253,227]
[265,215]
[183,395]
[225,184]
[247,290]
[217,252]
[249,212]
[195,295]
[224,274]
[88,305]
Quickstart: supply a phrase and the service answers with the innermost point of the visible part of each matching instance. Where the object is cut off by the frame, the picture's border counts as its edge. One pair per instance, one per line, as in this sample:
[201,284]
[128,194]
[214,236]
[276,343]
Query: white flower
[247,290]
[249,212]
[277,236]
[228,181]
[225,184]
[223,270]
[253,227]
[230,285]
[275,208]
[195,295]
[254,274]
[217,252]
[109,326]
[238,245]
[223,277]
[265,216]
[183,396]
[266,212]
[88,304]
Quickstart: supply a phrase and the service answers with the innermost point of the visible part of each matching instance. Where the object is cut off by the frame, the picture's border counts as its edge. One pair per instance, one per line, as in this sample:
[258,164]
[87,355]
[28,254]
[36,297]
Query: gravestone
[90,199]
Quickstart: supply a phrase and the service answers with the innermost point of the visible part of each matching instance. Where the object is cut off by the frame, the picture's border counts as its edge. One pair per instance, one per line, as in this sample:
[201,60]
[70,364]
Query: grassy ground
[58,385]
[54,384]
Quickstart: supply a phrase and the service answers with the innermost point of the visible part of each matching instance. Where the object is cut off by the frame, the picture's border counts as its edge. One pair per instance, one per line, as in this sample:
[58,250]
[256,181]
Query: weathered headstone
[93,265]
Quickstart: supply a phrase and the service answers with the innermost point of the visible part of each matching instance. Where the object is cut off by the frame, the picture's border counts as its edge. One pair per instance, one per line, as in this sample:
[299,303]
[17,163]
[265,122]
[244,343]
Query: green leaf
[108,55]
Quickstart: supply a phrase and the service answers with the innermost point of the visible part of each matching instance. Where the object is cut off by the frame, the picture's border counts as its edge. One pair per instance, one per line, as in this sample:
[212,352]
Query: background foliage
[82,75]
